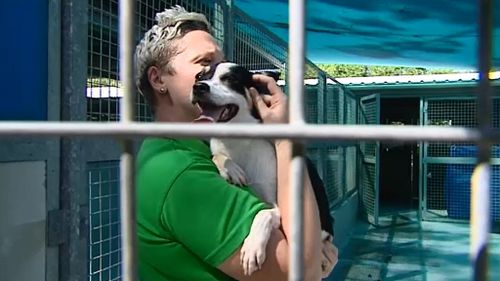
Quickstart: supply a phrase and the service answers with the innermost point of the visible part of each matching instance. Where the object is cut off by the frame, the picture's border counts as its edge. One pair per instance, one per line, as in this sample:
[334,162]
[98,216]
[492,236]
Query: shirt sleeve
[207,215]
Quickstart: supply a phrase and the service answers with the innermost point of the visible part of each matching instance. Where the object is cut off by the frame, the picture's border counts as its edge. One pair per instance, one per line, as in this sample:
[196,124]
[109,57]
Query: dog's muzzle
[200,91]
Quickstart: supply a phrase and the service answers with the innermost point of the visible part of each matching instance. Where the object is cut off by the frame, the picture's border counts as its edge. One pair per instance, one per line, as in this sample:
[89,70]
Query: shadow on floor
[402,248]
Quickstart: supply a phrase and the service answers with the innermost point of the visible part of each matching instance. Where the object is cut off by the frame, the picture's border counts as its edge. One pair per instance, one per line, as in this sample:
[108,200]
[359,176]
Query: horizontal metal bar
[458,160]
[294,132]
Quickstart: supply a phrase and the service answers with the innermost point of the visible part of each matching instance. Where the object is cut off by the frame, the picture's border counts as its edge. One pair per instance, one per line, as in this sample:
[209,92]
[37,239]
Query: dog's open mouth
[211,113]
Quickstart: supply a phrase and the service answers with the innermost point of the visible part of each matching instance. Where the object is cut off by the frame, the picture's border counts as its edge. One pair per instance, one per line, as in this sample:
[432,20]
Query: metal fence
[245,42]
[448,166]
[104,221]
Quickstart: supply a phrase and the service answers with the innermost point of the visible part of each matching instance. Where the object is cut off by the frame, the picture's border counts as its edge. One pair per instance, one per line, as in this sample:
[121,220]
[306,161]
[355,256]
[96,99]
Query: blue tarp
[458,179]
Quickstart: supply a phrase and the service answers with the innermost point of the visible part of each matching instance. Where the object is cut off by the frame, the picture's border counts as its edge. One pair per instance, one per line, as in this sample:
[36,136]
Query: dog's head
[222,92]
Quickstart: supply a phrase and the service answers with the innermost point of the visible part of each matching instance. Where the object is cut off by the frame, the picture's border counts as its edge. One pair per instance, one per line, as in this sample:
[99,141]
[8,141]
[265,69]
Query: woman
[191,222]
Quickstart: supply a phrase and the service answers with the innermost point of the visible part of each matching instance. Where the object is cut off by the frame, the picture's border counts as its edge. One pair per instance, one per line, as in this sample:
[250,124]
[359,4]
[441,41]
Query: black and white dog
[222,94]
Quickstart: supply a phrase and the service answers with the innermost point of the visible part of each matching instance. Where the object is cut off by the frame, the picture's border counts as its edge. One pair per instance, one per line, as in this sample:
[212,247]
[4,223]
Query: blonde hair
[157,47]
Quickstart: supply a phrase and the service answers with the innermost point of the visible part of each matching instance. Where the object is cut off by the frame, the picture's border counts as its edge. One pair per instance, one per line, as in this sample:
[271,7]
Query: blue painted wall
[23,53]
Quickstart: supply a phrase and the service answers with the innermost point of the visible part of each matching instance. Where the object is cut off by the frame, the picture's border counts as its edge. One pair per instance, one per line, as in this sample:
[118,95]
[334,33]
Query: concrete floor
[401,248]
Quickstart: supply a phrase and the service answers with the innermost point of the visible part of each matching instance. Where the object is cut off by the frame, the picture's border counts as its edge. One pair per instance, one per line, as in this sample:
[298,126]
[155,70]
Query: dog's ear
[271,73]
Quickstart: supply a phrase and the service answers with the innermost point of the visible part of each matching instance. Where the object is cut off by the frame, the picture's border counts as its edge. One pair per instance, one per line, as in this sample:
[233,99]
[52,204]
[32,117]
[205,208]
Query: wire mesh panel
[337,160]
[254,47]
[104,221]
[103,82]
[369,113]
[448,166]
[335,188]
[367,190]
[319,103]
[103,86]
[332,105]
[349,106]
[311,109]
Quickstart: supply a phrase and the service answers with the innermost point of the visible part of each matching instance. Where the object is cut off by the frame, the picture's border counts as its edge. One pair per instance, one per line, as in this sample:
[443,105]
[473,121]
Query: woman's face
[197,50]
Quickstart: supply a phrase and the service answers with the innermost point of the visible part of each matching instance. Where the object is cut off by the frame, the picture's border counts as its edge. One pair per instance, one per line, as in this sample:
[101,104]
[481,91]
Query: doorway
[399,162]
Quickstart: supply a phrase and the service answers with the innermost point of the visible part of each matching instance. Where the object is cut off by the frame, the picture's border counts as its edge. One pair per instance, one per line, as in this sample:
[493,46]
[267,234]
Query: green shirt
[190,219]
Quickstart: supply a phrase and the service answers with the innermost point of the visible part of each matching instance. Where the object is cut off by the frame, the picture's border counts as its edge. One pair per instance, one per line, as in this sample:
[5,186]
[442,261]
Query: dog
[222,93]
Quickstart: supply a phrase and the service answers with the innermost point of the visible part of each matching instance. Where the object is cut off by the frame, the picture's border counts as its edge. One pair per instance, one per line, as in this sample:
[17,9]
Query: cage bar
[480,199]
[127,159]
[274,131]
[296,80]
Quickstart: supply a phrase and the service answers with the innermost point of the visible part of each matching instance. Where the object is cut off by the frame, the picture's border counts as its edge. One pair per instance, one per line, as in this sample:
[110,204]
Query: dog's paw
[252,255]
[326,236]
[229,170]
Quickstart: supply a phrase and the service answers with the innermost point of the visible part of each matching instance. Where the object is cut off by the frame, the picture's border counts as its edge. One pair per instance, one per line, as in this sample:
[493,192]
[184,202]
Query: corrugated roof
[403,79]
[412,79]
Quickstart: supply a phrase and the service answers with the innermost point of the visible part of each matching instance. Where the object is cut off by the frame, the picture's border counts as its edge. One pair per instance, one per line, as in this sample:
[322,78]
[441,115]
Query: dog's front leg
[229,170]
[253,251]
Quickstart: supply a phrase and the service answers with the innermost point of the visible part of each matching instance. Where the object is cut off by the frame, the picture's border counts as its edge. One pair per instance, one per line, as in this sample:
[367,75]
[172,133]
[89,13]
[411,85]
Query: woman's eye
[206,62]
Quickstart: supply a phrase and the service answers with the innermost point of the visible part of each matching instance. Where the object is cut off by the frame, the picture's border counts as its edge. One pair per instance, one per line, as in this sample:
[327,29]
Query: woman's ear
[155,79]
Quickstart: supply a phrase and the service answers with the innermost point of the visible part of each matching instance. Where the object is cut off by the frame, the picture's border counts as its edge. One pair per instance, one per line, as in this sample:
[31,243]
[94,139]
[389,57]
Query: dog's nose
[200,88]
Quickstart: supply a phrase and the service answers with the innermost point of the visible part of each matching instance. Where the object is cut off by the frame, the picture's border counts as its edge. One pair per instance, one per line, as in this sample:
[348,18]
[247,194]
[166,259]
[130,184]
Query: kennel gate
[369,114]
[447,166]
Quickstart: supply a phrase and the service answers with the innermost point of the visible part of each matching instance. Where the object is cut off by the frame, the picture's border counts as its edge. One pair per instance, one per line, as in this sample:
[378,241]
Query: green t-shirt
[190,219]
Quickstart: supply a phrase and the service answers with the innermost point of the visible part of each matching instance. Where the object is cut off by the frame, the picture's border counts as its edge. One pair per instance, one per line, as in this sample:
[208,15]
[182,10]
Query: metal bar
[296,59]
[73,191]
[51,149]
[127,213]
[480,200]
[127,162]
[297,10]
[295,132]
[126,43]
[296,242]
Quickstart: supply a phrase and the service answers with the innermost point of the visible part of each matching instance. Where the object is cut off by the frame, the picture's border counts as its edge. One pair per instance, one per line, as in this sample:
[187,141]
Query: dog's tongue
[209,114]
[203,119]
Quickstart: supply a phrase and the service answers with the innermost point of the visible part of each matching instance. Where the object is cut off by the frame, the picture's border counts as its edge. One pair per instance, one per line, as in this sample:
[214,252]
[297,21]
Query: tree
[348,70]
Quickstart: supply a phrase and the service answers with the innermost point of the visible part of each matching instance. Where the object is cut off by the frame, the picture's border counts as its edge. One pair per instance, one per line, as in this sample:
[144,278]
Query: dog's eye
[199,75]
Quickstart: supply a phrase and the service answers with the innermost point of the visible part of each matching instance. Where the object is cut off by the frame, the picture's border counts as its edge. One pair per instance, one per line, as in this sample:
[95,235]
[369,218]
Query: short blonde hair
[157,46]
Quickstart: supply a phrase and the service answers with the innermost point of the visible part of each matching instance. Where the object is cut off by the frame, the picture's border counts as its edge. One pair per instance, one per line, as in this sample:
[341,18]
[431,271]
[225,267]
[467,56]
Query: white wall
[22,221]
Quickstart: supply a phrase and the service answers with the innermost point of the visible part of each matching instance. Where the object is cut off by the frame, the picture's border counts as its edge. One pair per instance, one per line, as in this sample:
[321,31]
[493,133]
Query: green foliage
[102,82]
[353,70]
[347,70]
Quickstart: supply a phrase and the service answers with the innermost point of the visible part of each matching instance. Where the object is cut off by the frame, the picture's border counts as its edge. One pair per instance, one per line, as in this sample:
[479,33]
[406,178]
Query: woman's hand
[329,257]
[272,108]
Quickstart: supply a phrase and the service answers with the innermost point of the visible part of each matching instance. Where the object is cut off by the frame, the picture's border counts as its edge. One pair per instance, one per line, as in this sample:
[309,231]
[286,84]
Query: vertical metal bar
[296,60]
[126,43]
[377,162]
[53,114]
[480,201]
[321,119]
[297,213]
[127,180]
[229,27]
[297,12]
[422,175]
[73,199]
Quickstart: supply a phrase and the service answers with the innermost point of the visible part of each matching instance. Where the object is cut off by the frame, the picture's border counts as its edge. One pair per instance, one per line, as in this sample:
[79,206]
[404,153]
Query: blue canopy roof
[427,33]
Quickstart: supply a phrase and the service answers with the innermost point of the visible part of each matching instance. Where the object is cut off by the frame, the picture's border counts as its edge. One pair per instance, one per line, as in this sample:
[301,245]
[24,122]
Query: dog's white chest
[257,158]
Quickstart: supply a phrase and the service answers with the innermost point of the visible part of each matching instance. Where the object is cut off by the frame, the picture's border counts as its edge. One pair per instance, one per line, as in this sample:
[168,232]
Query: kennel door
[369,114]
